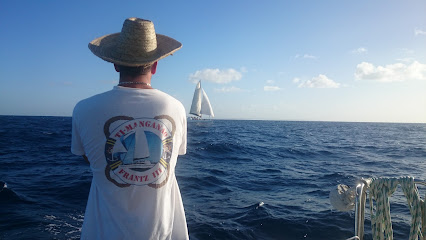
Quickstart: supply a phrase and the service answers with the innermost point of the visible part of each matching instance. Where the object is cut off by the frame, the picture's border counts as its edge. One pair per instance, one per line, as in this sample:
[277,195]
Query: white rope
[414,204]
[423,204]
[380,190]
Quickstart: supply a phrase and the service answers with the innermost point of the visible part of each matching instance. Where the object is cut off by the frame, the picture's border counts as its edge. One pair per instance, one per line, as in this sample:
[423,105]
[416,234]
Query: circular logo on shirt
[138,151]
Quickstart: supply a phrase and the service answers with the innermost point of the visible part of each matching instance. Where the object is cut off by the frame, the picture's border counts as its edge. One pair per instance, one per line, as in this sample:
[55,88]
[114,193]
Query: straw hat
[136,45]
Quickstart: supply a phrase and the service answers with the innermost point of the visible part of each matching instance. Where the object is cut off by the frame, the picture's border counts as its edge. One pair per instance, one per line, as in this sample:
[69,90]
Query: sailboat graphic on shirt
[140,150]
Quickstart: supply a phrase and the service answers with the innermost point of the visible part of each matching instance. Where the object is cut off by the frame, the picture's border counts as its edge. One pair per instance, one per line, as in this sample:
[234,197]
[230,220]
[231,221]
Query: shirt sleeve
[76,144]
[182,149]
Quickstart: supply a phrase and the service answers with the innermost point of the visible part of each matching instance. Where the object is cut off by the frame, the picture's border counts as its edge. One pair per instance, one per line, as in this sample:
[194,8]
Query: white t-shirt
[132,138]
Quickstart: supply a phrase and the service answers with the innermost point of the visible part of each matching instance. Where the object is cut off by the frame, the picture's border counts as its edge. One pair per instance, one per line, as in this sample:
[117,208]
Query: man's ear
[117,69]
[154,68]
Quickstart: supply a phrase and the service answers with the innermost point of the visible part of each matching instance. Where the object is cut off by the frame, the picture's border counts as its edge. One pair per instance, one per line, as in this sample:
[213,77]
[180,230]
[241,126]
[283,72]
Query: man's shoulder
[98,96]
[167,97]
[114,97]
[95,99]
[166,101]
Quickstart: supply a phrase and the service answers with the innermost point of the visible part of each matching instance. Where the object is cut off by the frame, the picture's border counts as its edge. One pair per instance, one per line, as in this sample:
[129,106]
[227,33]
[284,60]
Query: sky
[330,60]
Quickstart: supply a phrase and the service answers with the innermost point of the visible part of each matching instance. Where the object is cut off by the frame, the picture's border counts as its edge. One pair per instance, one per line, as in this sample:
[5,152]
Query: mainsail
[200,103]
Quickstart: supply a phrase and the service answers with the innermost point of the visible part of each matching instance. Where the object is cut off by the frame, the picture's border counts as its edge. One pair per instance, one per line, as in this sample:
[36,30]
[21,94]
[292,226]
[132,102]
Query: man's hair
[134,71]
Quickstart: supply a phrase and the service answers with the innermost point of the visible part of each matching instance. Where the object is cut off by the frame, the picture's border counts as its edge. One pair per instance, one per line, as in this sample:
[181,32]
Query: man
[131,136]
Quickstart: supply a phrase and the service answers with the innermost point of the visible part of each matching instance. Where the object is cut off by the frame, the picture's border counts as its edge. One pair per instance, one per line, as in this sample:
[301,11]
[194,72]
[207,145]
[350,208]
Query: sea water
[239,179]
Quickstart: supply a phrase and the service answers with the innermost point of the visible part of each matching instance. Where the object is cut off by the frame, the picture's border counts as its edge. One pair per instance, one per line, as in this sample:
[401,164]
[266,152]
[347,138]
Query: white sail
[200,103]
[196,101]
[206,107]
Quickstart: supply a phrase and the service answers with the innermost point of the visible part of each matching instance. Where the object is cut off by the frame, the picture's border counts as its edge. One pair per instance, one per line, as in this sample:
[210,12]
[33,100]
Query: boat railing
[361,196]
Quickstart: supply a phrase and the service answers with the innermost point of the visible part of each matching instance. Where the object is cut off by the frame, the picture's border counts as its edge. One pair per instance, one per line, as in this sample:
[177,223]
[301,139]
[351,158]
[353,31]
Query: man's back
[132,138]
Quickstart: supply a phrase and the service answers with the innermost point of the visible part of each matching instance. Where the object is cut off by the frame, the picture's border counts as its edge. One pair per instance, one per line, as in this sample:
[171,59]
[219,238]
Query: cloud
[396,72]
[360,50]
[419,32]
[270,82]
[271,88]
[216,75]
[228,89]
[321,81]
[305,56]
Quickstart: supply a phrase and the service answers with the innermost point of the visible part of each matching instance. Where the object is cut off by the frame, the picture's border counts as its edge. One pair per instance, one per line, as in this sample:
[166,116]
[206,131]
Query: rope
[381,189]
[423,204]
[414,204]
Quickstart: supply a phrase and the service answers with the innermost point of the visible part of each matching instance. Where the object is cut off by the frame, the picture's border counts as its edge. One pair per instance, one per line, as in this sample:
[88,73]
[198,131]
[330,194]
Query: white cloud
[419,32]
[228,89]
[296,80]
[321,81]
[306,56]
[216,75]
[360,50]
[270,82]
[271,88]
[396,72]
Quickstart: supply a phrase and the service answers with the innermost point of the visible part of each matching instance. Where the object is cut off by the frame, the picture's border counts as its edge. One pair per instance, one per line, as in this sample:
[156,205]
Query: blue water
[230,169]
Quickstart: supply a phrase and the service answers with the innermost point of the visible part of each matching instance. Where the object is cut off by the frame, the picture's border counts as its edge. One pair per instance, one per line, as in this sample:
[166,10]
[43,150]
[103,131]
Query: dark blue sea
[239,179]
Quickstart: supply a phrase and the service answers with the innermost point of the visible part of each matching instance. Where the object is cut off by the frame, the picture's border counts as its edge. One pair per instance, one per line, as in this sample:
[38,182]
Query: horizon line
[243,119]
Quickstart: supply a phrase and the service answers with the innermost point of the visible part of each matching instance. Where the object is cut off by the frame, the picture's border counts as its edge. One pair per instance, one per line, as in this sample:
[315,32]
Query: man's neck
[141,81]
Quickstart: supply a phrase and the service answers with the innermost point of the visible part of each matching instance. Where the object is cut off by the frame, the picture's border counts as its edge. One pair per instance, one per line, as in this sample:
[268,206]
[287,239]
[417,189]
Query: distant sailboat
[200,103]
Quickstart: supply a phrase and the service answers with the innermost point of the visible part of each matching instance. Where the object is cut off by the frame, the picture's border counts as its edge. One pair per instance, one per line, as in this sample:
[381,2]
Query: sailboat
[132,156]
[200,104]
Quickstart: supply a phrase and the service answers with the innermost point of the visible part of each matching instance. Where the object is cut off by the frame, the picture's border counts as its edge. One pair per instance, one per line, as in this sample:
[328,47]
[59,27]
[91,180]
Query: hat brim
[105,47]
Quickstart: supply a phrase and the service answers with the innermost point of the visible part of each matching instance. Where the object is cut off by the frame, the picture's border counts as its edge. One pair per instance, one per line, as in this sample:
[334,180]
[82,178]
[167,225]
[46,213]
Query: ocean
[239,179]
